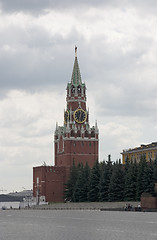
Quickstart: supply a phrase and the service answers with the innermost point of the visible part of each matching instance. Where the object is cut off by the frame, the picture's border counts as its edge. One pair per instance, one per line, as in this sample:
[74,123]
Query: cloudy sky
[117,53]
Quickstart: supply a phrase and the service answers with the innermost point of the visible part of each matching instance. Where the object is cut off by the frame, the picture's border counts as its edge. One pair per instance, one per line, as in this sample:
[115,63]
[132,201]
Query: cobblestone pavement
[77,225]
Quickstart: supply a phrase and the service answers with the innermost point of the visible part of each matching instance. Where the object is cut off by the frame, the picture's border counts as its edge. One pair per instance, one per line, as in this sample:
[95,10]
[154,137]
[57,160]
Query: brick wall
[50,182]
[148,202]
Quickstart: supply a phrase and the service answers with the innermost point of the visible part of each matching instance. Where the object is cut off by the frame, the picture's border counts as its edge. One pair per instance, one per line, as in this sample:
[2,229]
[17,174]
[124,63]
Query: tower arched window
[72,133]
[78,133]
[79,89]
[72,89]
[86,133]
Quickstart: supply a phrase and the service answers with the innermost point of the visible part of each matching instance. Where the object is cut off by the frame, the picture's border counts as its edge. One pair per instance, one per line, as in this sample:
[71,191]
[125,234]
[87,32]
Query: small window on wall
[38,180]
[92,134]
[79,133]
[72,133]
[155,154]
[86,133]
[126,158]
[149,155]
[90,144]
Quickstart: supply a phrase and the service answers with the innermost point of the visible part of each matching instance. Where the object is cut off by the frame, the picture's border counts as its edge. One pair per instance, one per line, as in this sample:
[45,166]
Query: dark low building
[9,198]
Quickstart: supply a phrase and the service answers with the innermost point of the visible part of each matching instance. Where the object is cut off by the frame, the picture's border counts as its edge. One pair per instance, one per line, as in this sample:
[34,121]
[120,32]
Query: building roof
[143,147]
[8,198]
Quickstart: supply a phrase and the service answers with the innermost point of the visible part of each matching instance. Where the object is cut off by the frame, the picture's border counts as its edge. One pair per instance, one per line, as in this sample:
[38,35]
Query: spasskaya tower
[76,141]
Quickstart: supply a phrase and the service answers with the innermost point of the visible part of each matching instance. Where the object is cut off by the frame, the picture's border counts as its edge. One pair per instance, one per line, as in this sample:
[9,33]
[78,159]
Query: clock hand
[80,116]
[79,113]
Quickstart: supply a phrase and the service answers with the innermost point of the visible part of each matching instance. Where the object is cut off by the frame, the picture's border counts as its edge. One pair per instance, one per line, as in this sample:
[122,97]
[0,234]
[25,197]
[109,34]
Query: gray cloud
[30,68]
[33,58]
[38,5]
[144,7]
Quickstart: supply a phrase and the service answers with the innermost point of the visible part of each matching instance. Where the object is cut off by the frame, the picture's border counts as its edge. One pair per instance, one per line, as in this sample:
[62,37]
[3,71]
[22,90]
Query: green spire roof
[76,76]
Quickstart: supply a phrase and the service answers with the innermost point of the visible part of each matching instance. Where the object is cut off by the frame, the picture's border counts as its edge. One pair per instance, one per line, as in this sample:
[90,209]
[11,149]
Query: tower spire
[76,75]
[75,51]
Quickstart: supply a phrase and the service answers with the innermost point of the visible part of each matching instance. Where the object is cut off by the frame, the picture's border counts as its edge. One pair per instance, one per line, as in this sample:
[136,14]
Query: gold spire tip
[75,51]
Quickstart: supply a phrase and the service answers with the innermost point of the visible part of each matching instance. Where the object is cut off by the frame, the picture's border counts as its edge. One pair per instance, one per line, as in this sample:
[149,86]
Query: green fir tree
[82,184]
[130,181]
[116,187]
[105,180]
[93,194]
[155,171]
[143,177]
[70,186]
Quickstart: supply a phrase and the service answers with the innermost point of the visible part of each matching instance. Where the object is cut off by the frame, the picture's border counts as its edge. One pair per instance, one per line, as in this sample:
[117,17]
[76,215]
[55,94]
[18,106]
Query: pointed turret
[96,127]
[68,127]
[76,75]
[56,126]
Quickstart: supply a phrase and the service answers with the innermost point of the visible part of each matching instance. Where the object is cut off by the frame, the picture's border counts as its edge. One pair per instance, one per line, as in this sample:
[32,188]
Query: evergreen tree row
[108,181]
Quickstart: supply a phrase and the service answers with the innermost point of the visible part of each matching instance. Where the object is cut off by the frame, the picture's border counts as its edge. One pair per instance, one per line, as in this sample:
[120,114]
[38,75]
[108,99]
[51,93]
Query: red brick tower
[76,141]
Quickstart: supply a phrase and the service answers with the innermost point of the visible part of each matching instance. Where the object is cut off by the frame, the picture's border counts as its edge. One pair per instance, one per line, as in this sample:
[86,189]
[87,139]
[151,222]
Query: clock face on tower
[80,116]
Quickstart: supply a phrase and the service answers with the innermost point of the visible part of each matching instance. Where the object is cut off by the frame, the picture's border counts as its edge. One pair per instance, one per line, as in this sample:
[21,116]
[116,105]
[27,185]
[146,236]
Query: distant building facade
[147,150]
[74,142]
